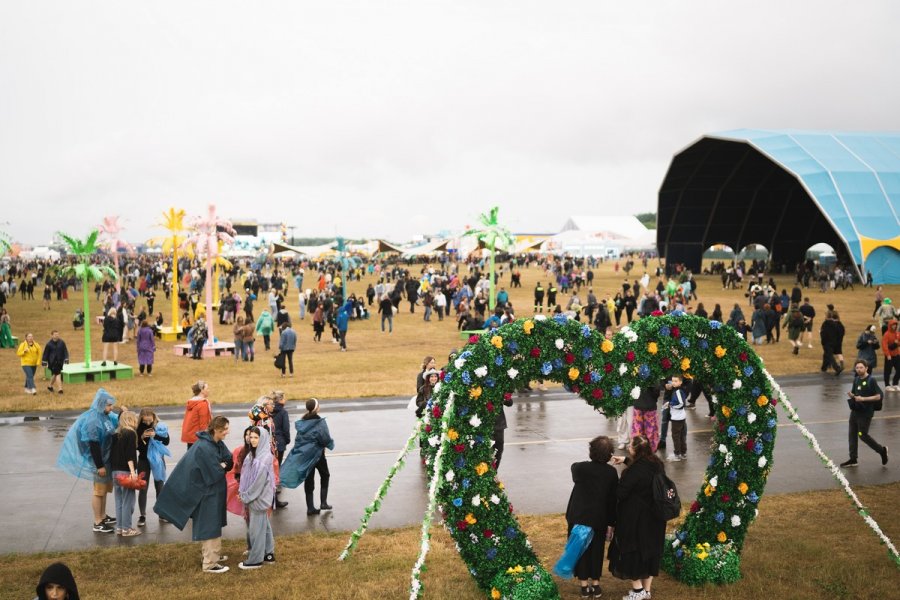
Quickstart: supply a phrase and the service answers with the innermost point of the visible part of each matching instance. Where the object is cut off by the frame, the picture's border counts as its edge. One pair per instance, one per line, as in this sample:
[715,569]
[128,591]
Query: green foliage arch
[608,374]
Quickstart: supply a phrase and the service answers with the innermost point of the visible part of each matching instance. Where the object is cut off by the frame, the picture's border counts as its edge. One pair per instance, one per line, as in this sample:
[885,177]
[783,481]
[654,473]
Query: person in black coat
[113,329]
[56,356]
[281,434]
[593,503]
[831,335]
[636,550]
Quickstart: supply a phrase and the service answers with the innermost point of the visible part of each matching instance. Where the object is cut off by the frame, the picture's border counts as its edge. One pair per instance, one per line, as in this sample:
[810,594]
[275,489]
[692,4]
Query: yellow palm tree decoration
[173,220]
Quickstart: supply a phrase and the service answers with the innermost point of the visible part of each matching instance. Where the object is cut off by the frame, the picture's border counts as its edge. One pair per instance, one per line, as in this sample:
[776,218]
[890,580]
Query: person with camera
[862,399]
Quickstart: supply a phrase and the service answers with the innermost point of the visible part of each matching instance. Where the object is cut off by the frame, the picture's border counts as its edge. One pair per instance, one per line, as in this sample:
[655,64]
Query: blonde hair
[128,420]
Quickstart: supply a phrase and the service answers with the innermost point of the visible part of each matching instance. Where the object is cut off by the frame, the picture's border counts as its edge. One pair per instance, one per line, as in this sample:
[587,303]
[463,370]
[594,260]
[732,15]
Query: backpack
[666,503]
[797,319]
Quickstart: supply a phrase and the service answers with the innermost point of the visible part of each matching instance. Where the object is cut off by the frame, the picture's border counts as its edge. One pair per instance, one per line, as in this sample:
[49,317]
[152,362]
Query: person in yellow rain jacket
[29,353]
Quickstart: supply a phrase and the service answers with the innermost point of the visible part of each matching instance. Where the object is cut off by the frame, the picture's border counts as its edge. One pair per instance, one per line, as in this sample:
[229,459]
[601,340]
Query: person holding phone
[861,399]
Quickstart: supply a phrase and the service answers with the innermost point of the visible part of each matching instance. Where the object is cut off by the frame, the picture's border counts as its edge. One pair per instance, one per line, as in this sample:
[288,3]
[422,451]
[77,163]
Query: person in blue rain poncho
[196,490]
[308,456]
[85,453]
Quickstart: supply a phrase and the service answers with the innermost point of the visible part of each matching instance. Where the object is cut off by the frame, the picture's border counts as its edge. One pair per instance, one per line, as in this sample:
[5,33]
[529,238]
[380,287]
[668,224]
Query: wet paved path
[46,509]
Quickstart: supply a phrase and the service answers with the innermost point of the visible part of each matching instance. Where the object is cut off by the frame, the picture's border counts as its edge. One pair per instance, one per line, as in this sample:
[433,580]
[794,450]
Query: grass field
[788,554]
[376,364]
[802,546]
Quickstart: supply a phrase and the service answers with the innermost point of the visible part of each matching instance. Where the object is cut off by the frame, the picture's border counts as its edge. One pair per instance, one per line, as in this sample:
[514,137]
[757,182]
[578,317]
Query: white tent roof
[625,228]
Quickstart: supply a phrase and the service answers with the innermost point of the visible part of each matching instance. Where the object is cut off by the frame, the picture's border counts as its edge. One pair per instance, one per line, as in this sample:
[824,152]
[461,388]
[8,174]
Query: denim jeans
[124,502]
[240,351]
[390,320]
[29,376]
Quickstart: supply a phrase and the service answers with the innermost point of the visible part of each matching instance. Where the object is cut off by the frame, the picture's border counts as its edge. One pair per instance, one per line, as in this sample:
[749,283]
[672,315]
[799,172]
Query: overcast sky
[395,118]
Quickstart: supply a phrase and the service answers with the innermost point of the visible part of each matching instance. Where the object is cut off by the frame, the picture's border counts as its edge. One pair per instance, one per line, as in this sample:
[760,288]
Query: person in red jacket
[890,345]
[197,413]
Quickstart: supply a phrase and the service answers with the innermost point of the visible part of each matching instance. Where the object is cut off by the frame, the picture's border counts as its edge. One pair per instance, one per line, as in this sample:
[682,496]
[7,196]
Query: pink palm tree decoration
[205,240]
[112,242]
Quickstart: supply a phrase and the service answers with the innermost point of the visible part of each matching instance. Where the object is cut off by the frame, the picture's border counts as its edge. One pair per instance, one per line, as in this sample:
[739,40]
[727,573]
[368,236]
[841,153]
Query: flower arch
[456,436]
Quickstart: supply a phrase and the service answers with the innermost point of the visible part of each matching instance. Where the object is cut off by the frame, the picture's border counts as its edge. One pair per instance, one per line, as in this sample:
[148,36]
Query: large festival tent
[786,190]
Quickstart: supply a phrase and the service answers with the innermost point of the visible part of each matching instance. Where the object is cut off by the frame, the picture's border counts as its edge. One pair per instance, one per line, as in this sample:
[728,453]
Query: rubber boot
[324,497]
[310,507]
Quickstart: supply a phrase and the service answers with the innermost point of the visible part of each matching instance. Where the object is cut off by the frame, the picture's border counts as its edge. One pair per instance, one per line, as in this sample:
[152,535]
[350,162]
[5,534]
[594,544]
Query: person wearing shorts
[85,453]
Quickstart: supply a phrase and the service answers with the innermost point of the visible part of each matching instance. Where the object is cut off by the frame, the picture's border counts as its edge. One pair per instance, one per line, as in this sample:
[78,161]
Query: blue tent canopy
[786,190]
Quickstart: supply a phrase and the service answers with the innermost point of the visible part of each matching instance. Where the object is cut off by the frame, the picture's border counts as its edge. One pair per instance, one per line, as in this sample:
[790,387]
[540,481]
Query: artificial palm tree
[491,234]
[87,273]
[112,242]
[205,239]
[173,220]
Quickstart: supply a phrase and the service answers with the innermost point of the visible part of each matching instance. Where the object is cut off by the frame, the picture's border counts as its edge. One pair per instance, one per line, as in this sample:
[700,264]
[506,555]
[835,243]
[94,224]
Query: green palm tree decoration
[87,273]
[492,235]
[5,246]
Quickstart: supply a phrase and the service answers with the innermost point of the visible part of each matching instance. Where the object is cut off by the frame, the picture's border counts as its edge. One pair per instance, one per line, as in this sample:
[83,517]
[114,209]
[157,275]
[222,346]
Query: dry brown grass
[808,545]
[376,365]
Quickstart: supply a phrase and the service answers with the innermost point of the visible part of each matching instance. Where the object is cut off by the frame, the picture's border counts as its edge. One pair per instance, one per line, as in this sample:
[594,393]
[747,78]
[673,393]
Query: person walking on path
[593,503]
[257,492]
[308,456]
[197,413]
[146,348]
[29,353]
[890,345]
[635,553]
[862,398]
[85,453]
[56,356]
[196,490]
[287,343]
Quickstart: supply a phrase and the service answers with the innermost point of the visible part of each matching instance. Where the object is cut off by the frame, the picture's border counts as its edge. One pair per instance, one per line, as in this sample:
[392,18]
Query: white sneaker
[621,446]
[633,595]
[674,458]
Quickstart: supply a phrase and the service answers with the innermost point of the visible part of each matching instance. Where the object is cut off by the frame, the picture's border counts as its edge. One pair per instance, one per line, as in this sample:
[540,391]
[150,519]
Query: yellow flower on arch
[762,401]
[722,537]
[497,342]
[495,594]
[470,519]
[573,373]
[607,346]
[726,411]
[709,490]
[652,348]
[527,326]
[720,351]
[685,364]
[481,468]
[475,392]
[452,435]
